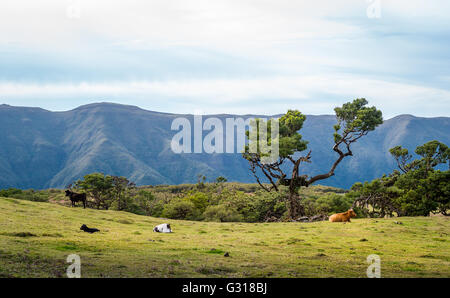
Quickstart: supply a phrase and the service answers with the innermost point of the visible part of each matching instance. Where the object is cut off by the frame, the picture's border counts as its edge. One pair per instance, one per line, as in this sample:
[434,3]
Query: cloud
[311,94]
[226,55]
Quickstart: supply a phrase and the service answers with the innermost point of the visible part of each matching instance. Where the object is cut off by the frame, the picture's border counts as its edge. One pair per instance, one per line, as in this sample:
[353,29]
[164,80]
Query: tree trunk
[295,209]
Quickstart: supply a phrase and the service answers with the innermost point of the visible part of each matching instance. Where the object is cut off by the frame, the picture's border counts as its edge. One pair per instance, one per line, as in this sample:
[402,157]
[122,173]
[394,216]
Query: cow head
[351,213]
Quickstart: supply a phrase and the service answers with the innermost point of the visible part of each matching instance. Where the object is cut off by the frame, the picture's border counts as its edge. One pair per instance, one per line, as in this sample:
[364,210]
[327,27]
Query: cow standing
[76,197]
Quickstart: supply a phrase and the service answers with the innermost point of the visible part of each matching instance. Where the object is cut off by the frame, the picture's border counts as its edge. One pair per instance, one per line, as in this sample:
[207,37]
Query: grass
[36,238]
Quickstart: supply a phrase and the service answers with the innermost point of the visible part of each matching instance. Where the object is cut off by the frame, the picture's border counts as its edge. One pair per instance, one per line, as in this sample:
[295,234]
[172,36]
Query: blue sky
[227,56]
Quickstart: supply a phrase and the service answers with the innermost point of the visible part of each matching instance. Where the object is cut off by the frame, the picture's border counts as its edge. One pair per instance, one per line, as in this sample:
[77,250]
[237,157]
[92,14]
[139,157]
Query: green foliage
[433,153]
[377,198]
[438,182]
[28,195]
[98,186]
[290,138]
[180,209]
[201,181]
[355,119]
[221,179]
[418,191]
[424,193]
[222,202]
[222,213]
[199,199]
[327,204]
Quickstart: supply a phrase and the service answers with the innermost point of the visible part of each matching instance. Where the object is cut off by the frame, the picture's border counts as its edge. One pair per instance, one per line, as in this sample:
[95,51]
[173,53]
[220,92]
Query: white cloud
[305,49]
[311,94]
[218,23]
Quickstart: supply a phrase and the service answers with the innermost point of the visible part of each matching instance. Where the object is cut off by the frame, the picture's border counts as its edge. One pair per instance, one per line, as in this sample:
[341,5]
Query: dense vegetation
[417,188]
[215,201]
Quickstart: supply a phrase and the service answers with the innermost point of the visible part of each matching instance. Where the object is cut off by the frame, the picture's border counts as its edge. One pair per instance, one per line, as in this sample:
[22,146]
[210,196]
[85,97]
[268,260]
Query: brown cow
[343,217]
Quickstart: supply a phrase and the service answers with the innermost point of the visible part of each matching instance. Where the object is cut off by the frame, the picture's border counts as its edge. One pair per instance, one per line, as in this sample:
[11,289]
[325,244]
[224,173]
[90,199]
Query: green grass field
[36,238]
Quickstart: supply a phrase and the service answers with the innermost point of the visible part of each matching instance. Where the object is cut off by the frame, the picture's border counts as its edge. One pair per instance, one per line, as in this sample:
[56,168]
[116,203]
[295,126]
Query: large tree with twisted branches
[354,120]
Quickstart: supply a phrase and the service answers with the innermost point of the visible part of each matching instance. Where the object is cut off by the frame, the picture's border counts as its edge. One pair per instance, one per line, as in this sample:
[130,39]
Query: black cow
[89,230]
[76,197]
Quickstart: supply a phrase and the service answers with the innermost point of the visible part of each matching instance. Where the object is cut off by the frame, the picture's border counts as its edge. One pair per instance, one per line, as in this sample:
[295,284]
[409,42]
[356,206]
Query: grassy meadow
[37,237]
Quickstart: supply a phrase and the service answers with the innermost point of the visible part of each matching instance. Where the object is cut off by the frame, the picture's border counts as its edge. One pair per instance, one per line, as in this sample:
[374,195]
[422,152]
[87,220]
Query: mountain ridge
[123,106]
[42,148]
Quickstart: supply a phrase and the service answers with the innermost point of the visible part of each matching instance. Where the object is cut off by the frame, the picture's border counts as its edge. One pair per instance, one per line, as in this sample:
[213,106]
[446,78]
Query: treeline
[214,201]
[417,188]
[205,201]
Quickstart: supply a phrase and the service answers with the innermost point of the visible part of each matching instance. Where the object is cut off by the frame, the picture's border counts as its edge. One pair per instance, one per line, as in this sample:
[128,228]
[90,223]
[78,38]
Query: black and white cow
[162,228]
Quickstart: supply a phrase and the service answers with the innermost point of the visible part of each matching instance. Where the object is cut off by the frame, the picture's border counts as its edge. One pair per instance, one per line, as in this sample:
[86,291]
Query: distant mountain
[42,149]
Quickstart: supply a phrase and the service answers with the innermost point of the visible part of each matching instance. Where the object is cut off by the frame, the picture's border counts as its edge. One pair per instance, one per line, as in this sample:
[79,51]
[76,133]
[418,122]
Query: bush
[222,213]
[267,205]
[180,209]
[27,195]
[199,199]
[10,192]
[327,204]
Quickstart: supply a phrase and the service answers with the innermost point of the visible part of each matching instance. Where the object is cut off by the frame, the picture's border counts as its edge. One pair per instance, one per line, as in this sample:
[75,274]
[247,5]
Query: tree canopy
[354,120]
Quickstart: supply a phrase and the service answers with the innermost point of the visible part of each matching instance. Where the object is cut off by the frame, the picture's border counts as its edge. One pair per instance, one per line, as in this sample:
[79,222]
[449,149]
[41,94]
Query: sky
[227,56]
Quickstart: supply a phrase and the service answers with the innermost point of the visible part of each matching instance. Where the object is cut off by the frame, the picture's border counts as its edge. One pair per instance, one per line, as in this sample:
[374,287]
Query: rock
[271,219]
[363,239]
[319,217]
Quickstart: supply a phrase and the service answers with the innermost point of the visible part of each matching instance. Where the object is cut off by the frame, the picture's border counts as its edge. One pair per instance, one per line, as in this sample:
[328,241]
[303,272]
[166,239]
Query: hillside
[42,149]
[36,238]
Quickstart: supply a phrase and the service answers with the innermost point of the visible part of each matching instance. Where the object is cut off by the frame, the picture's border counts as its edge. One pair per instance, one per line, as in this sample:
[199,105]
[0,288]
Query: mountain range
[44,149]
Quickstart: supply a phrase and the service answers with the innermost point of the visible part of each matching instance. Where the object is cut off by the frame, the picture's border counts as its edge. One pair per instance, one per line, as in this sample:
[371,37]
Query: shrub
[328,204]
[199,199]
[222,213]
[180,209]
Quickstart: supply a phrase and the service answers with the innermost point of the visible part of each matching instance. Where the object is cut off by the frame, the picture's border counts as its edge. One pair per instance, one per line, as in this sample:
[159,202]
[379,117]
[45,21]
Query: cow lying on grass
[162,228]
[343,217]
[76,197]
[89,230]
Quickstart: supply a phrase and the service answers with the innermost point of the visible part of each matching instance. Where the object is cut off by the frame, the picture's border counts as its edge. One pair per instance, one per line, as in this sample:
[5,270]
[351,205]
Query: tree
[98,186]
[438,182]
[377,198]
[416,190]
[221,179]
[355,120]
[201,181]
[402,157]
[433,153]
[121,189]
